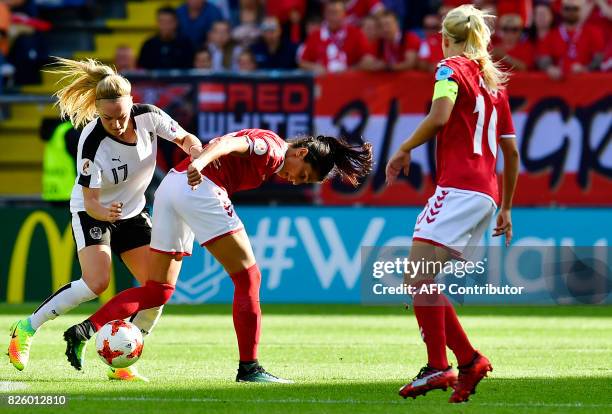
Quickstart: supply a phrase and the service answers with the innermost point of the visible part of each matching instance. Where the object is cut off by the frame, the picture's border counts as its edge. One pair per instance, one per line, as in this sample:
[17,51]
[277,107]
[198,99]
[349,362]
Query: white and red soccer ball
[119,343]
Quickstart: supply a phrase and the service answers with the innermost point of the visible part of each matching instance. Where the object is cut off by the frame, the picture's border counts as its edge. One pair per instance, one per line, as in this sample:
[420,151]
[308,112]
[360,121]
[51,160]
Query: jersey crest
[443,73]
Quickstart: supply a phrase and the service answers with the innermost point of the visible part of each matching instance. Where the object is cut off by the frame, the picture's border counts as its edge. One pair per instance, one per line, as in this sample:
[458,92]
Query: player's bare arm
[438,116]
[511,170]
[96,210]
[190,144]
[225,145]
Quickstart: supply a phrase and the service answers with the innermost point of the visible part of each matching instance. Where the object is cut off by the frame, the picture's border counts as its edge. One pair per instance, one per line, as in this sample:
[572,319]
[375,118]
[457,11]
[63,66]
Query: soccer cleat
[469,377]
[429,379]
[19,346]
[126,374]
[75,347]
[256,373]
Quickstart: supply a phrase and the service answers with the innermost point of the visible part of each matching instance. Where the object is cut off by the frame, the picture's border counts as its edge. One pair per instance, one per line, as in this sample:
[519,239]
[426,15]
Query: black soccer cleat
[254,372]
[75,346]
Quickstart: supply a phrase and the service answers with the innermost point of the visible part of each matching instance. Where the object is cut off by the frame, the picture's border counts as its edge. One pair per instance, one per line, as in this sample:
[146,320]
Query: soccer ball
[119,343]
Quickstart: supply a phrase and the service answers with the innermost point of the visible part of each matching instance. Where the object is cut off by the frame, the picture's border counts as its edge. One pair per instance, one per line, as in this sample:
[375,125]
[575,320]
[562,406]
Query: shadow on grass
[541,395]
[346,309]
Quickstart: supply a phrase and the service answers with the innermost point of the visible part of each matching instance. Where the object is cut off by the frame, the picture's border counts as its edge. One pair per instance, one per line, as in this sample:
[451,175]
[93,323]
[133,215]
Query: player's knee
[159,293]
[98,284]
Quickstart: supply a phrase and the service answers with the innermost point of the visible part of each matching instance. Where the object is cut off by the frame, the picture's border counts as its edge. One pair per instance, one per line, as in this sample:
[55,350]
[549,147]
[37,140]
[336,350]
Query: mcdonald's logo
[61,256]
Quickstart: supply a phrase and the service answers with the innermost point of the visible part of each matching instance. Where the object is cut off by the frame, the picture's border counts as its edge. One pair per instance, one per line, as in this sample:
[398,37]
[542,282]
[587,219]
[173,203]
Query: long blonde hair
[467,24]
[89,81]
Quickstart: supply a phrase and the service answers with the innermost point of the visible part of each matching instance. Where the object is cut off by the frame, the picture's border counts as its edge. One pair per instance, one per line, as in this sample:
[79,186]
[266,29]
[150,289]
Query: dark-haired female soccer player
[193,200]
[471,116]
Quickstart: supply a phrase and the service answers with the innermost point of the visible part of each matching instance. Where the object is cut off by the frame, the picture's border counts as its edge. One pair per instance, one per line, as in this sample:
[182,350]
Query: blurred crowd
[22,46]
[555,36]
[558,37]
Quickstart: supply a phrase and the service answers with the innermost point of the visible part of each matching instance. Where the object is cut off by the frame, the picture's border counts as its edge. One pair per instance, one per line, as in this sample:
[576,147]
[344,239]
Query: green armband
[445,89]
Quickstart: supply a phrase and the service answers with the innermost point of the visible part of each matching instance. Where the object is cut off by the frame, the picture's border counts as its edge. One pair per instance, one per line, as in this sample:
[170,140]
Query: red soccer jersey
[337,51]
[395,52]
[523,50]
[466,148]
[431,49]
[566,47]
[267,155]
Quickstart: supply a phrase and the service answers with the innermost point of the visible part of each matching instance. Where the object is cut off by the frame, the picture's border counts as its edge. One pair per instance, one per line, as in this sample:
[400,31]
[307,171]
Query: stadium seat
[20,131]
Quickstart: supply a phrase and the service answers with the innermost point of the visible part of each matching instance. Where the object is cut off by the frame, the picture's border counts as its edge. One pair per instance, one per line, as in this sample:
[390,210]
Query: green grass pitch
[344,359]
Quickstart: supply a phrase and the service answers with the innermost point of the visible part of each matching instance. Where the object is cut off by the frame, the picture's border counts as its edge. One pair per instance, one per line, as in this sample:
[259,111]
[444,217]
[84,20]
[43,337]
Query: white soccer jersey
[120,170]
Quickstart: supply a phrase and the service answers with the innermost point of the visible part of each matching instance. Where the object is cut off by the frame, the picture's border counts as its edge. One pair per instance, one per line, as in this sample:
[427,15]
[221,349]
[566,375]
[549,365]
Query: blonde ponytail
[467,24]
[89,80]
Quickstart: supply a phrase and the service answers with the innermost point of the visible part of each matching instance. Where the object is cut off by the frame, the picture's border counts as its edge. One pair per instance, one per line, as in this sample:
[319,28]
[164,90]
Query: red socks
[440,327]
[132,300]
[429,311]
[456,339]
[246,311]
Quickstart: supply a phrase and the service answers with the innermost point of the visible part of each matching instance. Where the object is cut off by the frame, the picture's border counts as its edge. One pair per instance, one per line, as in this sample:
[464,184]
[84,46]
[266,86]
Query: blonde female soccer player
[115,163]
[470,115]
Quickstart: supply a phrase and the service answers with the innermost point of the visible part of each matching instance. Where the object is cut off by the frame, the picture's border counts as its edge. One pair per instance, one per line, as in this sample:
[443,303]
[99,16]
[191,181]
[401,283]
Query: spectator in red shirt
[573,47]
[430,51]
[543,22]
[337,46]
[510,48]
[358,9]
[599,14]
[371,30]
[396,51]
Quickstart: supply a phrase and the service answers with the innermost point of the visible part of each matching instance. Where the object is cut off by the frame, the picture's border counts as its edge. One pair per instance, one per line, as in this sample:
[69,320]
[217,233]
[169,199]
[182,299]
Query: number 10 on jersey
[491,130]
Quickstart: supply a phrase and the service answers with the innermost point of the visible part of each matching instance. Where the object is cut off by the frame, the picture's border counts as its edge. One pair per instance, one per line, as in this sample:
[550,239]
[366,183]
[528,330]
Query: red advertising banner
[563,130]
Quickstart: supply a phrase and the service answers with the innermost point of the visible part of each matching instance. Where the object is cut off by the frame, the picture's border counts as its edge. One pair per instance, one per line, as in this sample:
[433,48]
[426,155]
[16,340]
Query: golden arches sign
[61,256]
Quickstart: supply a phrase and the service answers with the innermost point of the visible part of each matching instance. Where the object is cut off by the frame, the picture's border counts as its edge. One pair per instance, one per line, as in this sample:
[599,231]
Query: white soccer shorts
[455,219]
[180,214]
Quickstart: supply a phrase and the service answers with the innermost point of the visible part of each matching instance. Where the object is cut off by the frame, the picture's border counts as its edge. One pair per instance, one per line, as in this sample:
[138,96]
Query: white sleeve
[166,127]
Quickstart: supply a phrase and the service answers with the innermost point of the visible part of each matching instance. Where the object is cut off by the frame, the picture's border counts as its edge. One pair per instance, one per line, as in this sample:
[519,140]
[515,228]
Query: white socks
[73,294]
[65,299]
[146,319]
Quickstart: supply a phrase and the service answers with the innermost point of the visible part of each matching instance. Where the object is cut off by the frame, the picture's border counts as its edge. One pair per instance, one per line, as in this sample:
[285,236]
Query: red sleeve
[309,52]
[267,150]
[505,125]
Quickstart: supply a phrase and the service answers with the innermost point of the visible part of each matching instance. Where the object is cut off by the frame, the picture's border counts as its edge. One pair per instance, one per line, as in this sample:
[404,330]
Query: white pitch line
[313,401]
[9,386]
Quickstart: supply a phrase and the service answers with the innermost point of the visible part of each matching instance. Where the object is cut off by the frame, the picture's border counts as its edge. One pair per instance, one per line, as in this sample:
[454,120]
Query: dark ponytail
[336,156]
